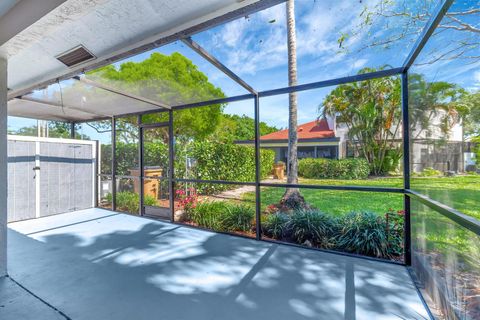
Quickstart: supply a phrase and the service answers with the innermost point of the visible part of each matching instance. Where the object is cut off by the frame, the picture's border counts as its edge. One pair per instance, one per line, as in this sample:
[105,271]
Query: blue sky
[255,49]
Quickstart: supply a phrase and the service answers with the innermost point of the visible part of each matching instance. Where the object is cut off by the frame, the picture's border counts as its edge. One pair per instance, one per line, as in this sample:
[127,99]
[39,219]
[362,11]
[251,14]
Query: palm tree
[292,197]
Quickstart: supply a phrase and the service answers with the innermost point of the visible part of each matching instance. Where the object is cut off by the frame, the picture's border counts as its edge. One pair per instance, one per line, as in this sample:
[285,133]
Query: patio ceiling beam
[122,93]
[220,66]
[49,118]
[332,82]
[59,105]
[427,32]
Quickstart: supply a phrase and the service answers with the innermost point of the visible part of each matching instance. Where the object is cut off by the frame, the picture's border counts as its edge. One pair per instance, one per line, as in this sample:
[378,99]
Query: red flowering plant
[395,220]
[271,209]
[187,199]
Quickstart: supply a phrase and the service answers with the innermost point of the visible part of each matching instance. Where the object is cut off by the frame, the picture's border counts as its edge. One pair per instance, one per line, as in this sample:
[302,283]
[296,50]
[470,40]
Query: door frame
[142,129]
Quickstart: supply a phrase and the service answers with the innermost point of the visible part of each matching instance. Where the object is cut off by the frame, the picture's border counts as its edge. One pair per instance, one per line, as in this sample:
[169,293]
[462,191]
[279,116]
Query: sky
[255,48]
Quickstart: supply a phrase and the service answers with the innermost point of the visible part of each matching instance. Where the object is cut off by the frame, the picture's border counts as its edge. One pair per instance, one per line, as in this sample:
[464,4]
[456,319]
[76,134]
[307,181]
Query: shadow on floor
[124,267]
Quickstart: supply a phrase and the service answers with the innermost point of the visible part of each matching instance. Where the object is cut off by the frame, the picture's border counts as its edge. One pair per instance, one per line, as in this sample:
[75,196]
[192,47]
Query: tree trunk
[292,197]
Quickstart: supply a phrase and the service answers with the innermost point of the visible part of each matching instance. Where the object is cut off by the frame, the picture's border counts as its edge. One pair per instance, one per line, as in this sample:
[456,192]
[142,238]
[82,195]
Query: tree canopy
[174,80]
[55,130]
[371,110]
[235,127]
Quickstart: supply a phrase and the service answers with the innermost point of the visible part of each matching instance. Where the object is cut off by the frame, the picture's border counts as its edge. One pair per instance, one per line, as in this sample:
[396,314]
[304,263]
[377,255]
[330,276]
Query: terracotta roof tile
[310,130]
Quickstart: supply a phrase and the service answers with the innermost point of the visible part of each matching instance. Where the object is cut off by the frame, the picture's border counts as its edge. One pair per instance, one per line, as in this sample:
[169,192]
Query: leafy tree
[55,130]
[471,114]
[440,101]
[235,127]
[171,80]
[370,110]
[25,131]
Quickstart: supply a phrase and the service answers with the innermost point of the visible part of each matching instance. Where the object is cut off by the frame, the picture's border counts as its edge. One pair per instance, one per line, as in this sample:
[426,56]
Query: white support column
[3,166]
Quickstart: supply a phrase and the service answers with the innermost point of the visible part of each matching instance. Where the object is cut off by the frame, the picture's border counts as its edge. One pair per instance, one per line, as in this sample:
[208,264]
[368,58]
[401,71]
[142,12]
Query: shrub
[320,168]
[476,150]
[226,161]
[363,233]
[429,172]
[275,225]
[395,231]
[223,216]
[212,161]
[312,225]
[237,217]
[187,200]
[148,200]
[129,201]
[206,214]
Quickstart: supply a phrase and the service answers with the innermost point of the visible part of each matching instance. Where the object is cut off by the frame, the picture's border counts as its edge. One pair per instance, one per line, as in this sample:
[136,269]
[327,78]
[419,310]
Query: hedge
[321,168]
[226,161]
[210,161]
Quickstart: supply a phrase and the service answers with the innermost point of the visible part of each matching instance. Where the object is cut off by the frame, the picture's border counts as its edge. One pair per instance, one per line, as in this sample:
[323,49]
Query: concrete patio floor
[97,264]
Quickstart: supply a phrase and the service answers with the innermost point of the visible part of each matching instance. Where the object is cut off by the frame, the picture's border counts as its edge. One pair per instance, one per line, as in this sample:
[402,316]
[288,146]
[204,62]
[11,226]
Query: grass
[460,192]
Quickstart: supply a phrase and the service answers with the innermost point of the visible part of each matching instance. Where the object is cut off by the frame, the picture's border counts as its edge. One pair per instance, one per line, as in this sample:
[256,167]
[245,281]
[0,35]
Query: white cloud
[360,63]
[233,32]
[476,77]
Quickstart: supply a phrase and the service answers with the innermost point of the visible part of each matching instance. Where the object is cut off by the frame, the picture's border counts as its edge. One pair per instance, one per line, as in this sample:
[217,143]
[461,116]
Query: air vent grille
[75,56]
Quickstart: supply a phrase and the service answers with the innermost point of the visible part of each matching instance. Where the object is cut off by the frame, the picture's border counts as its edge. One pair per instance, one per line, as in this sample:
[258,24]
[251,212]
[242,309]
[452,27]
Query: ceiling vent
[75,56]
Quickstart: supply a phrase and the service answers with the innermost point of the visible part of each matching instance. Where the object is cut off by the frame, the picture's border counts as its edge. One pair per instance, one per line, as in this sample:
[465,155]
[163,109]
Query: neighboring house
[432,148]
[327,138]
[316,139]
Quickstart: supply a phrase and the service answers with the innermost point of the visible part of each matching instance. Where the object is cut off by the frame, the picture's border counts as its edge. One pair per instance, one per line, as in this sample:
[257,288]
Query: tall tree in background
[292,197]
[237,128]
[371,111]
[171,79]
[434,106]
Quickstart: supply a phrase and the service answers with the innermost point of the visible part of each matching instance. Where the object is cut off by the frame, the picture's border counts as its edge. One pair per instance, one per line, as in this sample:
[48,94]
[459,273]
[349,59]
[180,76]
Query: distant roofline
[329,139]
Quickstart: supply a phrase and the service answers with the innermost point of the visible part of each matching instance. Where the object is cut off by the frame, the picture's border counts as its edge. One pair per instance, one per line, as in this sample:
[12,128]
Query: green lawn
[460,192]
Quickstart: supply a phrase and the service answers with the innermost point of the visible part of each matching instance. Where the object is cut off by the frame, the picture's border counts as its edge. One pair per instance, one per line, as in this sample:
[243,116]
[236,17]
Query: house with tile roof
[316,139]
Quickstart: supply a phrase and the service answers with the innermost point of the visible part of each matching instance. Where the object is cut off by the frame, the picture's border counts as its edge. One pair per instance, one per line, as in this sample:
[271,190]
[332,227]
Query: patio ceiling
[110,30]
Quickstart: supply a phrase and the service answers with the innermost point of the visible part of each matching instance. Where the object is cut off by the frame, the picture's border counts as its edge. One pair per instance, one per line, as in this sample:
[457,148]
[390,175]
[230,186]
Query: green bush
[320,168]
[206,214]
[237,217]
[395,231]
[429,172]
[363,233]
[211,161]
[130,201]
[223,216]
[313,226]
[226,161]
[276,225]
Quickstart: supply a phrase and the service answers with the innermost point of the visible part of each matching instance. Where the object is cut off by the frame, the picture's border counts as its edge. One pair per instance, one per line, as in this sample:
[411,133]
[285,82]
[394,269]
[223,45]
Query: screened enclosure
[191,132]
